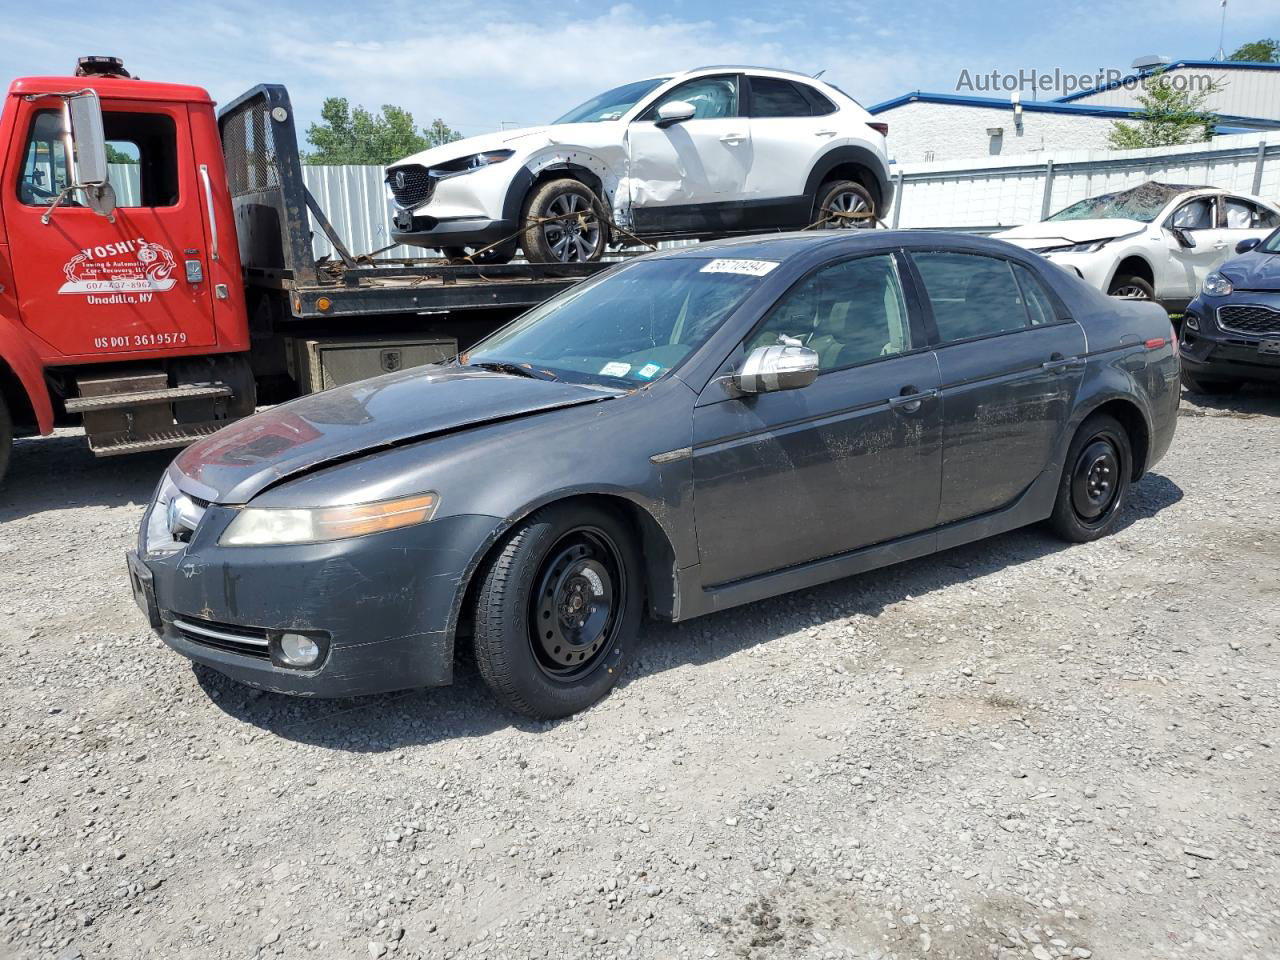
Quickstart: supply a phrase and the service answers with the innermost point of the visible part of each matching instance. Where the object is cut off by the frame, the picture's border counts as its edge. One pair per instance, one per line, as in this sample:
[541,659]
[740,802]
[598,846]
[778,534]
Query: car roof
[783,246]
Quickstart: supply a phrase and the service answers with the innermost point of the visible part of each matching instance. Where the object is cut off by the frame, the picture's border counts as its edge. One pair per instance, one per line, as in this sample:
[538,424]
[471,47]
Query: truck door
[91,287]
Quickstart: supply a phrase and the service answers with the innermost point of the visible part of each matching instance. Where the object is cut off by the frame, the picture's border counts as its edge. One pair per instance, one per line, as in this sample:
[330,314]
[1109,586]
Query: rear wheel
[6,438]
[1094,481]
[1210,387]
[839,204]
[1129,287]
[564,223]
[557,607]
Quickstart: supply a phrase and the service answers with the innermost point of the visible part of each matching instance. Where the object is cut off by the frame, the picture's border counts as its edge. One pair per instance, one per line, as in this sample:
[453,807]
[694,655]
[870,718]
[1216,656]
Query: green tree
[356,135]
[1259,51]
[1169,116]
[118,156]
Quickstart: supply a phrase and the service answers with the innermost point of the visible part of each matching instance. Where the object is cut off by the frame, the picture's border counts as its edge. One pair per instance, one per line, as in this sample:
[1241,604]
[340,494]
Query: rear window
[971,295]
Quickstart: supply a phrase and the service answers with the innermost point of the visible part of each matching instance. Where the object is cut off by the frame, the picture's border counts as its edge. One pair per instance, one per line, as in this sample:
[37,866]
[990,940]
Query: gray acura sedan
[693,430]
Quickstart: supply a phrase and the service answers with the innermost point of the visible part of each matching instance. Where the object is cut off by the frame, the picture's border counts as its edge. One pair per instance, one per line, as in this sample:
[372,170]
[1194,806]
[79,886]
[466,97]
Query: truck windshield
[612,104]
[628,328]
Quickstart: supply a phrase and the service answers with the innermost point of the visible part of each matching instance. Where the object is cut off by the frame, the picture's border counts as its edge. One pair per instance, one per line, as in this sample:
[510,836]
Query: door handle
[1220,245]
[1058,363]
[213,217]
[825,133]
[910,399]
[733,138]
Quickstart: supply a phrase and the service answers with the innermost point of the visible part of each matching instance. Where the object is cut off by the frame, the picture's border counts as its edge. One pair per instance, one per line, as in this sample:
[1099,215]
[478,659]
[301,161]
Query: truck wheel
[498,255]
[6,438]
[1095,478]
[843,197]
[1218,388]
[1128,287]
[558,606]
[579,235]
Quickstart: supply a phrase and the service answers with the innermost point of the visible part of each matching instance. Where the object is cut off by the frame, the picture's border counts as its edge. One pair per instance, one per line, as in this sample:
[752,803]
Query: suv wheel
[564,223]
[838,199]
[1128,287]
[558,607]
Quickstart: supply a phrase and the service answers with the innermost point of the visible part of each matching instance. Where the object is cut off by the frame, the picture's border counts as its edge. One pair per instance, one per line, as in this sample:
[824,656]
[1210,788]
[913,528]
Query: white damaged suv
[709,152]
[1155,241]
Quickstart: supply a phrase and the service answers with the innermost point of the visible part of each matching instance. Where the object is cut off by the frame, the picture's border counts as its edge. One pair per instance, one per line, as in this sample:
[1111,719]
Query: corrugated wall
[990,194]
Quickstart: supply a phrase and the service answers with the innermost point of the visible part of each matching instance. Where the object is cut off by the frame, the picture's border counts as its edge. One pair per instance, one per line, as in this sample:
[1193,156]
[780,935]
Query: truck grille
[1249,319]
[248,641]
[411,185]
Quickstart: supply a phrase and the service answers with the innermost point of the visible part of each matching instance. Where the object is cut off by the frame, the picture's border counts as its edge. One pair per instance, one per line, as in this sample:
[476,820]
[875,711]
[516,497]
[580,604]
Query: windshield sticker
[747,268]
[615,369]
[648,371]
[130,271]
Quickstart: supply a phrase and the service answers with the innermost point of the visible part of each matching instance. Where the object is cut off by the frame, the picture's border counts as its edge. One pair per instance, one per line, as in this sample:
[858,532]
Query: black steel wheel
[558,605]
[1095,478]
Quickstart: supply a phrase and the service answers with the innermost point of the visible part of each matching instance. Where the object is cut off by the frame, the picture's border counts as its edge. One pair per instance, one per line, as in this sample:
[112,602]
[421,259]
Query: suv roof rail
[743,66]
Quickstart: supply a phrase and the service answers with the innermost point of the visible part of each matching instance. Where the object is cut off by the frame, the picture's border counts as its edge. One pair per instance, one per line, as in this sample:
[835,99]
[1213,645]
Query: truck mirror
[89,148]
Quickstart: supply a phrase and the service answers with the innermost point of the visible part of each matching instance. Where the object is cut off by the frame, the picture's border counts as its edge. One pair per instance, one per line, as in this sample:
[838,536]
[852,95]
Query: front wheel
[1094,481]
[1131,288]
[558,606]
[564,222]
[844,205]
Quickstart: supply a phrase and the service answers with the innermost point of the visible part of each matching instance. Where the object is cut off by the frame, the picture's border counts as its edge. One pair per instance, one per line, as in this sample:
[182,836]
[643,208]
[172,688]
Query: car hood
[1254,270]
[1049,232]
[519,139]
[240,461]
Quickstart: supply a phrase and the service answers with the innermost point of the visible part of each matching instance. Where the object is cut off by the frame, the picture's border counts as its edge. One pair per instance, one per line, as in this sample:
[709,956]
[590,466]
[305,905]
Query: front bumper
[423,231]
[1213,352]
[383,606]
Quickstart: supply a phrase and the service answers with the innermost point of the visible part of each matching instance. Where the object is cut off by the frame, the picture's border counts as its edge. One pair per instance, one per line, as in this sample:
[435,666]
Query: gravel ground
[1014,749]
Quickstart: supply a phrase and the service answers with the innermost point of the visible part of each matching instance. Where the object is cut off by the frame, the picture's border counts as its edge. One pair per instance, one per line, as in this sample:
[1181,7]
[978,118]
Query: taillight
[1155,343]
[880,128]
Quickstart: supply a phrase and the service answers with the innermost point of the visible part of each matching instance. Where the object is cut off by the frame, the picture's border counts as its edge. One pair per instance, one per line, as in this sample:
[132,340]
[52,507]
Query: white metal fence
[998,192]
[972,195]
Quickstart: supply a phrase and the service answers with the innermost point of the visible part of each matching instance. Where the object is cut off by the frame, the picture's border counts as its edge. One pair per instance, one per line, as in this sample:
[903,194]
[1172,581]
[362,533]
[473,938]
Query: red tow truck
[158,310]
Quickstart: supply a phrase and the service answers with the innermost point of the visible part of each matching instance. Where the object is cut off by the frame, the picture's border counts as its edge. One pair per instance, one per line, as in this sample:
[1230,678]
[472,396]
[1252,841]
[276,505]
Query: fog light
[298,651]
[1191,321]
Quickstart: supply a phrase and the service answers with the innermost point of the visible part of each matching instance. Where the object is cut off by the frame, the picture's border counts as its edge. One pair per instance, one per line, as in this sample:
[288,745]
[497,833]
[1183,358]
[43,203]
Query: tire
[551,573]
[1095,479]
[844,196]
[6,438]
[1218,388]
[498,255]
[1129,287]
[579,240]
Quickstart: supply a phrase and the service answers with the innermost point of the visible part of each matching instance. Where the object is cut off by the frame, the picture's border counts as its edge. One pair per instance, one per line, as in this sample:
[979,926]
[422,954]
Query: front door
[90,287]
[848,461]
[1188,266]
[1010,361]
[689,177]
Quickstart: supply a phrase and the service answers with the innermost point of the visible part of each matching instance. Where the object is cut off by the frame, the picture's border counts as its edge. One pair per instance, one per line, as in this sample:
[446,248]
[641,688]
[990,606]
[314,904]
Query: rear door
[791,124]
[848,461]
[1010,363]
[90,286]
[1241,219]
[682,177]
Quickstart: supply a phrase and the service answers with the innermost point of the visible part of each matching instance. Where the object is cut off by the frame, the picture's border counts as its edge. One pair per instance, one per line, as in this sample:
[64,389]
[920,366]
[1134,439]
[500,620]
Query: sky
[483,65]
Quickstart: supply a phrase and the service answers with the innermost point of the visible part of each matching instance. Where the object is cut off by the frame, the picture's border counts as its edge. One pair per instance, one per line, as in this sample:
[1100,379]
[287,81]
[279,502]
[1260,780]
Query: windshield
[629,327]
[612,104]
[1143,202]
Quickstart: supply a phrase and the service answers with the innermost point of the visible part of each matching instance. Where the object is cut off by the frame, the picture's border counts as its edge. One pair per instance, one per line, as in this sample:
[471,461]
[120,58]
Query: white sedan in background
[1155,241]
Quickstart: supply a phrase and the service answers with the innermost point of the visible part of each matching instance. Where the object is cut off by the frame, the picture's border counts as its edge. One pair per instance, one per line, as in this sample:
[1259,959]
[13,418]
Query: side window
[1195,214]
[819,105]
[1240,214]
[772,97]
[971,295]
[850,312]
[142,150]
[1040,308]
[712,97]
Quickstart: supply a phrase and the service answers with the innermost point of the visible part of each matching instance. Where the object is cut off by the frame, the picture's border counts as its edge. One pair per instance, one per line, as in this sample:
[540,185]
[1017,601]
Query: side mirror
[1247,244]
[783,366]
[675,111]
[89,152]
[1184,238]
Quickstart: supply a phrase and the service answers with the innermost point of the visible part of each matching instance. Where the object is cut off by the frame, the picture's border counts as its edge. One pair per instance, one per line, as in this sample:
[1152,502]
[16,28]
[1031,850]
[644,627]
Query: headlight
[158,538]
[1216,285]
[1089,246]
[255,527]
[488,159]
[477,161]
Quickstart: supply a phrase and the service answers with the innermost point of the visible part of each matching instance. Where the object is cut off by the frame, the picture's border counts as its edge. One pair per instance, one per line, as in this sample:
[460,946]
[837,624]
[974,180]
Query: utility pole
[1221,55]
